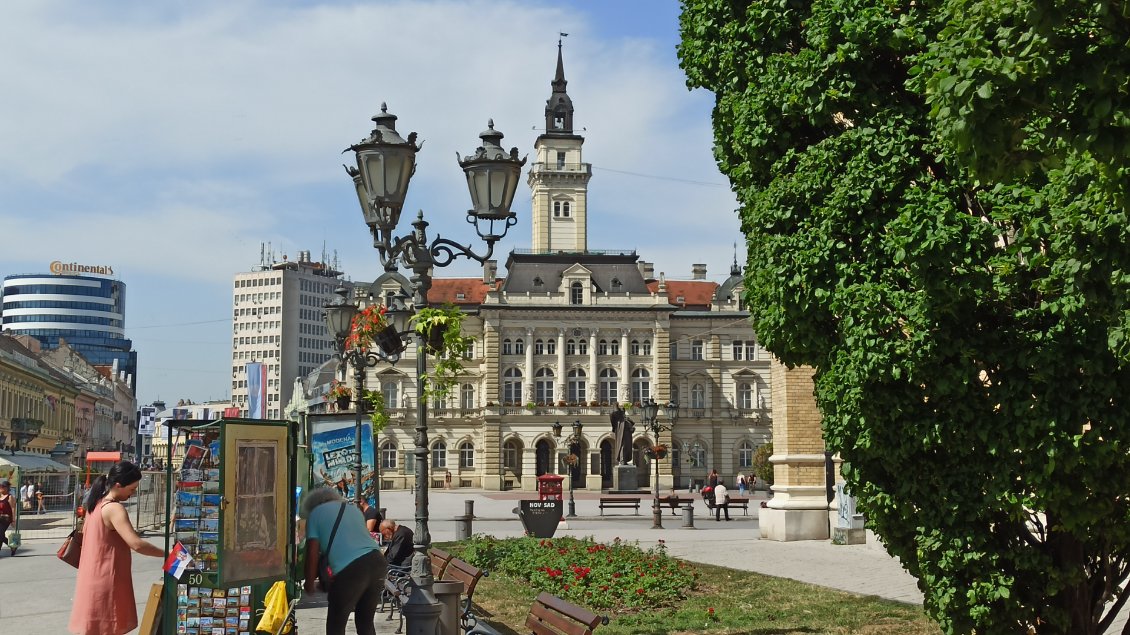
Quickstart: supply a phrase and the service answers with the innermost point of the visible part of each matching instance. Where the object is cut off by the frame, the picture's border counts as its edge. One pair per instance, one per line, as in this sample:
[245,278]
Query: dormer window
[616,283]
[460,296]
[576,293]
[538,281]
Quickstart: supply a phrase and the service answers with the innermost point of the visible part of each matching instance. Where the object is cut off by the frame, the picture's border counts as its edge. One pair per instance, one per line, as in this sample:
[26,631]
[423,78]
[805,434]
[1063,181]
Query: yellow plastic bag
[275,608]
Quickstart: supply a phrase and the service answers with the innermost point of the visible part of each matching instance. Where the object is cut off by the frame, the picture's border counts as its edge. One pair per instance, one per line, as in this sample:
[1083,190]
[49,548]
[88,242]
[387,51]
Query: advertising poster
[331,445]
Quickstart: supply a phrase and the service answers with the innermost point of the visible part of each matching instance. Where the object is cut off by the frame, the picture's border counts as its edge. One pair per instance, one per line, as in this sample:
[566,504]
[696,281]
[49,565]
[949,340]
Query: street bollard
[688,516]
[462,527]
[469,508]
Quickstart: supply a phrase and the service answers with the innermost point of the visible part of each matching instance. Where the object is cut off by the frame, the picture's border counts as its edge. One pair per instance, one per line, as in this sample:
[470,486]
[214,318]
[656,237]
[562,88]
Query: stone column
[561,371]
[594,379]
[528,373]
[625,369]
[799,507]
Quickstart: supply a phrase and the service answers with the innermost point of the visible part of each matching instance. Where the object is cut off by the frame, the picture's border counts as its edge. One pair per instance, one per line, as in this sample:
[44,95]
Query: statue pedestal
[625,478]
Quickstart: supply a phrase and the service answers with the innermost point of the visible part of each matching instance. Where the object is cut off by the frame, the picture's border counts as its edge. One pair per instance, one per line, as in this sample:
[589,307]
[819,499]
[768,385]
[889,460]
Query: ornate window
[519,347]
[439,454]
[697,455]
[641,385]
[576,386]
[539,347]
[466,396]
[570,347]
[602,347]
[582,347]
[576,293]
[390,391]
[512,385]
[745,396]
[551,347]
[543,386]
[507,347]
[609,386]
[388,455]
[466,455]
[613,347]
[696,350]
[510,456]
[634,347]
[698,397]
[745,455]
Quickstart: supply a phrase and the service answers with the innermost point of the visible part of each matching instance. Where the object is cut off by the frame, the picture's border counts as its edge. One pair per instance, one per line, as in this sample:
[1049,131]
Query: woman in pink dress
[104,602]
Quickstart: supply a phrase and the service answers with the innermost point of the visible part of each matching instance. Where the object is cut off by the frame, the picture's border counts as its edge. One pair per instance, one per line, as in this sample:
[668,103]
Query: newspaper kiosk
[232,510]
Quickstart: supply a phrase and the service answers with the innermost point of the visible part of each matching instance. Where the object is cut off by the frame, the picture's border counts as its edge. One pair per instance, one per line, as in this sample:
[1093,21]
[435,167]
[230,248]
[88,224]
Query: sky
[173,140]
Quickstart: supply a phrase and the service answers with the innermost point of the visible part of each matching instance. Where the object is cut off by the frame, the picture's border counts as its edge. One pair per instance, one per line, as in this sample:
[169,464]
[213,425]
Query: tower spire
[559,108]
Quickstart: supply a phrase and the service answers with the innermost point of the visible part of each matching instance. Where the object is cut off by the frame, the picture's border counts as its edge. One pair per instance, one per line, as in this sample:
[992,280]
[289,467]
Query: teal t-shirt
[352,539]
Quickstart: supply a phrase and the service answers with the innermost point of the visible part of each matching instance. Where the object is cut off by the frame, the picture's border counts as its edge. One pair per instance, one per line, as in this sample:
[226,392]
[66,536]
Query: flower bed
[597,575]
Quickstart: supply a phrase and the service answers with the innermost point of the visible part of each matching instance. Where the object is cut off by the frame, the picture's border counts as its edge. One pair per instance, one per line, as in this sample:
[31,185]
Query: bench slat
[440,560]
[550,615]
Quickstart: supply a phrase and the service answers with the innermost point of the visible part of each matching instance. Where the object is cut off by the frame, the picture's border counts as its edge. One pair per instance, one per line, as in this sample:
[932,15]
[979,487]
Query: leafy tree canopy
[934,199]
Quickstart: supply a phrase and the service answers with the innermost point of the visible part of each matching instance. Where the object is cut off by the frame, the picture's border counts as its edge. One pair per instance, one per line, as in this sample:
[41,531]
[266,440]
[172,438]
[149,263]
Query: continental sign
[59,268]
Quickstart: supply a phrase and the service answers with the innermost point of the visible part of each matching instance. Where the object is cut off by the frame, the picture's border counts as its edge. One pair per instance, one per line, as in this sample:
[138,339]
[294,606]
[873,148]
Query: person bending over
[399,540]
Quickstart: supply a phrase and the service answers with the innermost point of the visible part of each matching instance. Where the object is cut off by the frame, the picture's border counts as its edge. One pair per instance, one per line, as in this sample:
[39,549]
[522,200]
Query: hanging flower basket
[367,325]
[571,459]
[340,394]
[343,403]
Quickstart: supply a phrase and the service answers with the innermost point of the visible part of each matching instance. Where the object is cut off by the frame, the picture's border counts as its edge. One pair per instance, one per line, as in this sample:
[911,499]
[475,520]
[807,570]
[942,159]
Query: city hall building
[564,336]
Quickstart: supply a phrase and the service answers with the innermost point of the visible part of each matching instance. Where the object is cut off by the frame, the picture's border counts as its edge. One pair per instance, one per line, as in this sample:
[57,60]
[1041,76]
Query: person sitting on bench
[399,539]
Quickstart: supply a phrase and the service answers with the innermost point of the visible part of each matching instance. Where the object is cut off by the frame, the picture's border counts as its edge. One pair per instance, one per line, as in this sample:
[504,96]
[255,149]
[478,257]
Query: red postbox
[549,487]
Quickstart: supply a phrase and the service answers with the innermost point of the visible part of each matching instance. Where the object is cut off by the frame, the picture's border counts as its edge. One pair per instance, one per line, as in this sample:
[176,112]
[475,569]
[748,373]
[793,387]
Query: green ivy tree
[934,196]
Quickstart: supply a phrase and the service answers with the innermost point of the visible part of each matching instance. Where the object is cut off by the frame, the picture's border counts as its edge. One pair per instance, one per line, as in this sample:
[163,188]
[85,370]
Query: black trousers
[718,511]
[357,589]
[4,524]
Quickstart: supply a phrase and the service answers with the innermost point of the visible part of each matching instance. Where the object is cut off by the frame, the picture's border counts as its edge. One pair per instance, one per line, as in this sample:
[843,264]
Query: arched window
[745,455]
[613,347]
[390,391]
[697,455]
[543,386]
[388,455]
[519,347]
[511,456]
[539,347]
[576,293]
[439,454]
[507,347]
[646,347]
[698,397]
[466,455]
[551,347]
[745,396]
[466,396]
[641,385]
[602,347]
[609,386]
[582,347]
[570,347]
[512,385]
[634,347]
[576,386]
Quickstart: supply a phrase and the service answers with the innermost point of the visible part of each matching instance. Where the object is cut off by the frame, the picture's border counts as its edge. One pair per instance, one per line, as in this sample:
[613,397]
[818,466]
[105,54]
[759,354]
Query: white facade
[277,321]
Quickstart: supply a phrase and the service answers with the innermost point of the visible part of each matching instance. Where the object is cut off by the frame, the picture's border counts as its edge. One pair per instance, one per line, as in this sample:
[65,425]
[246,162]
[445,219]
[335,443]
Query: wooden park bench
[550,615]
[674,502]
[398,583]
[613,502]
[440,560]
[461,571]
[740,501]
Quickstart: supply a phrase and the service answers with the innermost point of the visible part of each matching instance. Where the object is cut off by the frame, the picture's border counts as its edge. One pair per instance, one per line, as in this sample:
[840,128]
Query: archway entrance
[543,457]
[606,464]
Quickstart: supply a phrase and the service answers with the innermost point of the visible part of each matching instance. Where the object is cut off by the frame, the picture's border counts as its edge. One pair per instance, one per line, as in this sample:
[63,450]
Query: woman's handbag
[325,574]
[71,549]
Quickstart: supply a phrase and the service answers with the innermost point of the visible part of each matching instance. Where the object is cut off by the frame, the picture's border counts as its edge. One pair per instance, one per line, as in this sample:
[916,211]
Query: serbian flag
[178,561]
[256,390]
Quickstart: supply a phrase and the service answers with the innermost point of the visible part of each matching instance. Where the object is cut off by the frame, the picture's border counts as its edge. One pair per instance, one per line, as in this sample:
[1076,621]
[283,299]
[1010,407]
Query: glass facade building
[86,311]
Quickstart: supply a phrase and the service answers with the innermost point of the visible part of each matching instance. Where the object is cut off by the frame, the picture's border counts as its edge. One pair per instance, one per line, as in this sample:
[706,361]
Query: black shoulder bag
[325,573]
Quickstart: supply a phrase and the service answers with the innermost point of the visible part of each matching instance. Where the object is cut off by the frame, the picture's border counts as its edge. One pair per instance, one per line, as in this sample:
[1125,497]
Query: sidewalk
[36,589]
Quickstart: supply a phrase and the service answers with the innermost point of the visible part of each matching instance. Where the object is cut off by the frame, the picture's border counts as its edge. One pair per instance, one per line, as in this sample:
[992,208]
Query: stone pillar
[625,368]
[799,507]
[594,378]
[528,373]
[561,388]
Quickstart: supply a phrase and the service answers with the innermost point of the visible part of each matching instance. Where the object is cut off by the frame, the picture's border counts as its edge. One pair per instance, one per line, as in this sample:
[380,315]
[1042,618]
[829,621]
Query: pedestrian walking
[741,484]
[41,504]
[712,479]
[721,502]
[358,565]
[7,512]
[26,491]
[104,602]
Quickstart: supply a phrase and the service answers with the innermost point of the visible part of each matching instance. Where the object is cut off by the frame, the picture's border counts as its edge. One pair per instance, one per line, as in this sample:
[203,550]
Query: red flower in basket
[366,325]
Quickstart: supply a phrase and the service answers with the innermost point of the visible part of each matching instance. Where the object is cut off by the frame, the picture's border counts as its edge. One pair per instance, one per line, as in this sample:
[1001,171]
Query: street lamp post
[385,165]
[573,440]
[339,319]
[651,420]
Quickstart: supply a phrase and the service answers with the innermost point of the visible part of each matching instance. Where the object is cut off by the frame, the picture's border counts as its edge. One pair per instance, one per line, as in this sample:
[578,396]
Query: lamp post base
[656,516]
[422,611]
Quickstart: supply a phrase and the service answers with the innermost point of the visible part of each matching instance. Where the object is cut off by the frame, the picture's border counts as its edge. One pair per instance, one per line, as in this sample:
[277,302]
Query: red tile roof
[447,290]
[694,293]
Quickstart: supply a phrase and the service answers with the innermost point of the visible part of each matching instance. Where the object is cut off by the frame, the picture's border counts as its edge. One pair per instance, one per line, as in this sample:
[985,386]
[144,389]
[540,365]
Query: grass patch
[742,602]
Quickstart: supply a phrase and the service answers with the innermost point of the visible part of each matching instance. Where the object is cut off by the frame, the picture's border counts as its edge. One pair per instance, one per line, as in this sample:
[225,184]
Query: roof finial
[735,270]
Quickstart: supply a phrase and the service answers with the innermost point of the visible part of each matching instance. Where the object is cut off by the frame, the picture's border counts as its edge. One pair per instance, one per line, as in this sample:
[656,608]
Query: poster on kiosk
[332,443]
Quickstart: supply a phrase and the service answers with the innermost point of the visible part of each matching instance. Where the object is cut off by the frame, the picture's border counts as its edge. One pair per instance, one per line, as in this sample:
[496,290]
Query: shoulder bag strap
[333,533]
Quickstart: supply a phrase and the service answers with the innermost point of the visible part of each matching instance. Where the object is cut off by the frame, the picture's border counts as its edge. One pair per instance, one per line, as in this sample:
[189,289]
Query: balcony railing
[562,167]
